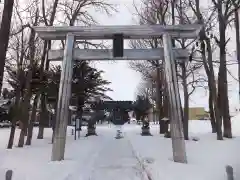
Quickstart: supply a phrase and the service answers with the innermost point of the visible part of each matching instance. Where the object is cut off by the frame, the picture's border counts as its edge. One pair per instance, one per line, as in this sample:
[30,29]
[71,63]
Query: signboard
[78,124]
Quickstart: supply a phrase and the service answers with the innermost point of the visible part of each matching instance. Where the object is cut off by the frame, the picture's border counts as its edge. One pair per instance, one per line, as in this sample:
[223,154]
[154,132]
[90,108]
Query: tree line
[217,17]
[33,79]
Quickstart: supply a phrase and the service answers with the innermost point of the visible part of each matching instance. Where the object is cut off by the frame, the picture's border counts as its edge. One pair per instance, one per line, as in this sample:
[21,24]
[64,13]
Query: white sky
[124,80]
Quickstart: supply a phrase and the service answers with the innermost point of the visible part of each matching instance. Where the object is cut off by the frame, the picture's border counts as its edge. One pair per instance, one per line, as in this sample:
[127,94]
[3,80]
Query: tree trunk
[11,136]
[40,132]
[43,97]
[54,121]
[42,121]
[4,35]
[22,136]
[222,75]
[166,112]
[53,134]
[33,118]
[219,123]
[24,119]
[173,18]
[211,110]
[186,118]
[26,130]
[13,116]
[213,89]
[208,66]
[223,99]
[159,107]
[227,128]
[227,131]
[186,101]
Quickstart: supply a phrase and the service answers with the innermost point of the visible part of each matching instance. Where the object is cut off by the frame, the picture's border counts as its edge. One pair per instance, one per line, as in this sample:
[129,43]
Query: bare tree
[48,15]
[218,100]
[28,93]
[206,51]
[224,10]
[20,59]
[4,35]
[154,12]
[146,88]
[190,79]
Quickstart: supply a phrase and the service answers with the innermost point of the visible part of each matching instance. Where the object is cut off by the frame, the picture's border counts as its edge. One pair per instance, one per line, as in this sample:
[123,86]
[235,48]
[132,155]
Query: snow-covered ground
[133,157]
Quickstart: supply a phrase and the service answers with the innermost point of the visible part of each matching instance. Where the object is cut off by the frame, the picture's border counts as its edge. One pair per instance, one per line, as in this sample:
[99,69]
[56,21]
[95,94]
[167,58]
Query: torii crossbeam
[129,54]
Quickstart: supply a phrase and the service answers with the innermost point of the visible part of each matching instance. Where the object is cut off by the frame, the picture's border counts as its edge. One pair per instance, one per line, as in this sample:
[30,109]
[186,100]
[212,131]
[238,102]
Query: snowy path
[114,160]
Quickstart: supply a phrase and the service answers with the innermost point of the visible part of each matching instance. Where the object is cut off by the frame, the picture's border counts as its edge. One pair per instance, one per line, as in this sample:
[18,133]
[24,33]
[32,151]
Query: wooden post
[229,171]
[178,143]
[64,95]
[8,175]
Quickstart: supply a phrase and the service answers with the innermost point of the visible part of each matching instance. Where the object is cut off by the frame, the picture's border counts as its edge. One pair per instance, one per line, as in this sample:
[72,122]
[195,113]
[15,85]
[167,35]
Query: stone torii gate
[118,34]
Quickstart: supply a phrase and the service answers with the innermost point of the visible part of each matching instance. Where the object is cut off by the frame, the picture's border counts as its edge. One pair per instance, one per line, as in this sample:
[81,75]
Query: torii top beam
[129,31]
